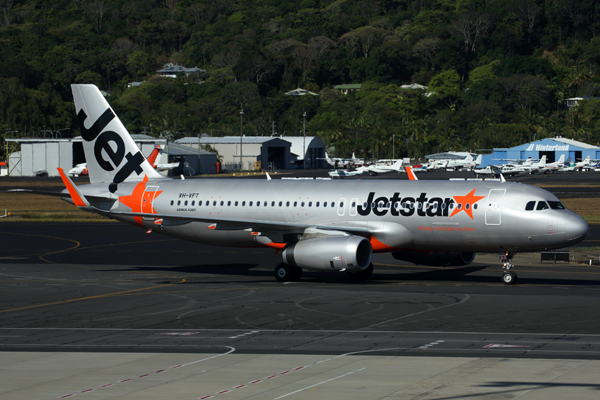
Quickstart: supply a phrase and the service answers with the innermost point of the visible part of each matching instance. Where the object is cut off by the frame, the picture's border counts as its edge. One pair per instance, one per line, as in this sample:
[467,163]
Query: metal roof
[573,142]
[227,140]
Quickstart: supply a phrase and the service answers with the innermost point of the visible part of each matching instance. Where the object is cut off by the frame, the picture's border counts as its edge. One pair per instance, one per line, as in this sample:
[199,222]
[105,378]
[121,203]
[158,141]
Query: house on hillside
[348,87]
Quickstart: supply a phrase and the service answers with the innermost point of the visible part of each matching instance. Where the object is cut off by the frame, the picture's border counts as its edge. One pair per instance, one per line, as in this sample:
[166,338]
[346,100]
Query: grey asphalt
[104,310]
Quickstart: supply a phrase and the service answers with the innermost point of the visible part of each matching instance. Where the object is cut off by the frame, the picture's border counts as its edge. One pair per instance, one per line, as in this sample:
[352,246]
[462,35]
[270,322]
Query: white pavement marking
[426,346]
[320,383]
[232,349]
[243,334]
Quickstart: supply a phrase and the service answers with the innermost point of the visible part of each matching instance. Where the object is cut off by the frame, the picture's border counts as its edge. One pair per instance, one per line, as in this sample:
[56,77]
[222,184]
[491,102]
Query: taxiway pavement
[105,310]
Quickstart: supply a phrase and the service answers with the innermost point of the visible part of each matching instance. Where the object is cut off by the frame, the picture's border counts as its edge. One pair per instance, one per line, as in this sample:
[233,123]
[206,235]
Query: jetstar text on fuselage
[423,206]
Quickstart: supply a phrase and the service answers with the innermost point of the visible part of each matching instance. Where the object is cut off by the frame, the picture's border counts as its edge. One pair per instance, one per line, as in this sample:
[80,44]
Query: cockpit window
[530,206]
[542,205]
[556,205]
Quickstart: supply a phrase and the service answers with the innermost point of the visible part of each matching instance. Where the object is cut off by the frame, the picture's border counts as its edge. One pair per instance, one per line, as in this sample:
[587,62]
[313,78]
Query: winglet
[502,178]
[411,174]
[78,199]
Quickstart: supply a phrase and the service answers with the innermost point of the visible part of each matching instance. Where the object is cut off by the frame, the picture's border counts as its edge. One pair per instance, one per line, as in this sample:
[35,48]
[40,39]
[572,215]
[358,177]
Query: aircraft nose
[576,228]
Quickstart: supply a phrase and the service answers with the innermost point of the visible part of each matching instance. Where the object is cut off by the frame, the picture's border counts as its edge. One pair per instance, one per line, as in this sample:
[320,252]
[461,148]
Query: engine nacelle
[351,253]
[435,258]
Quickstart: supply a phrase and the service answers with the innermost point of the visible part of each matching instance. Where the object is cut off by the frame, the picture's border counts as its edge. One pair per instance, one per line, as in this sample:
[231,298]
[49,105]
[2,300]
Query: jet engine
[338,253]
[435,258]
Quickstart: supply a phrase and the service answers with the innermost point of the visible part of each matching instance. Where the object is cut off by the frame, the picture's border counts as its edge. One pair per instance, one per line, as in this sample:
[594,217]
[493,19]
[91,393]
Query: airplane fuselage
[407,215]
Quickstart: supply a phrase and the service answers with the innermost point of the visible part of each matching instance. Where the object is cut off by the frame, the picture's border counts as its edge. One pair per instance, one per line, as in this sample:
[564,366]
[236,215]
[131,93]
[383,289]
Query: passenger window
[250,204]
[341,204]
[475,206]
[302,205]
[530,206]
[353,204]
[272,204]
[287,203]
[295,203]
[222,202]
[228,203]
[467,206]
[193,202]
[200,203]
[542,205]
[214,203]
[280,203]
[243,204]
[333,204]
[236,203]
[172,202]
[325,204]
[388,205]
[310,203]
[178,202]
[258,204]
[317,205]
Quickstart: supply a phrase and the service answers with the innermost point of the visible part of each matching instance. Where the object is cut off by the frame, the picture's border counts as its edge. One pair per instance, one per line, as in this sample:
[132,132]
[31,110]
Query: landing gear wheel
[283,272]
[363,275]
[509,278]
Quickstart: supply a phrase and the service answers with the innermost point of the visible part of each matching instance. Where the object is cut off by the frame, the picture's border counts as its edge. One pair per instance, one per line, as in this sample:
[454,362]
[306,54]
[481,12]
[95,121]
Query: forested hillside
[498,71]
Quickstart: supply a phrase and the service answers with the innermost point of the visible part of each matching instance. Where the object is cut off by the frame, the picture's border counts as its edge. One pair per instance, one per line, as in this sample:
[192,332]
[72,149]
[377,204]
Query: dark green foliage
[500,82]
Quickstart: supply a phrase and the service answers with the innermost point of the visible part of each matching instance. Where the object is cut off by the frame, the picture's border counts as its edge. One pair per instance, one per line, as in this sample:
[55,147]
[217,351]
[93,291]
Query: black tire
[509,278]
[283,272]
[363,275]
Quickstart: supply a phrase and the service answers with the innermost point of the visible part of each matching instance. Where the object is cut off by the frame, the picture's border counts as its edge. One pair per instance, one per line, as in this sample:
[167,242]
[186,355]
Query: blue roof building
[552,148]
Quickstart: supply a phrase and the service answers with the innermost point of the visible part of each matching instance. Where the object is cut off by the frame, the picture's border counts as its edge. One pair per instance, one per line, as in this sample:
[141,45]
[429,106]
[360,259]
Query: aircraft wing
[45,193]
[238,224]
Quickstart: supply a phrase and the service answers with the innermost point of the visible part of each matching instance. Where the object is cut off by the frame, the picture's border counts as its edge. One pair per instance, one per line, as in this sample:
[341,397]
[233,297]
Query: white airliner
[382,167]
[154,160]
[454,160]
[78,170]
[320,225]
[341,173]
[578,166]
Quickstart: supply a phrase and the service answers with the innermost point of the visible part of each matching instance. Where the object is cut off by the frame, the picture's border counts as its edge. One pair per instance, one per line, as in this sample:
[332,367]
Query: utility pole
[304,142]
[394,147]
[241,138]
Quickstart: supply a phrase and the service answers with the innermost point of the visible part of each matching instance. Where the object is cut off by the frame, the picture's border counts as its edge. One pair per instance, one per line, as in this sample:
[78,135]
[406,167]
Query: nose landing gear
[508,277]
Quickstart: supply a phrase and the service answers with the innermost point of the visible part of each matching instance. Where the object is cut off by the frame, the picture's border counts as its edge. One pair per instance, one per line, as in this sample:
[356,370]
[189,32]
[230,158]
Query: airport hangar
[28,156]
[552,148]
[289,152]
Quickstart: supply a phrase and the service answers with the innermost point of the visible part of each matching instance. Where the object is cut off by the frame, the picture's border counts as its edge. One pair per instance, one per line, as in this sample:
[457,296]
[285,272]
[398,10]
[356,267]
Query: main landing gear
[508,277]
[287,273]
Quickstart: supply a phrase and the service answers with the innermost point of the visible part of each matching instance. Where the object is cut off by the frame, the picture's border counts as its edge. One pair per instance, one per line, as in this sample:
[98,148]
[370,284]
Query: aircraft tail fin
[398,165]
[561,160]
[543,161]
[478,159]
[111,154]
[154,156]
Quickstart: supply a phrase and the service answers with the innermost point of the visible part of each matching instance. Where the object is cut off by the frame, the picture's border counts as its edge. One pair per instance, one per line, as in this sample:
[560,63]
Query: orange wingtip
[77,200]
[213,226]
[411,174]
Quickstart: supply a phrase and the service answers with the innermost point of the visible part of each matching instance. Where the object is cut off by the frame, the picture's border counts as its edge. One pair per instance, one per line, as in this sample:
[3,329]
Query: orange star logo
[465,203]
[140,200]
